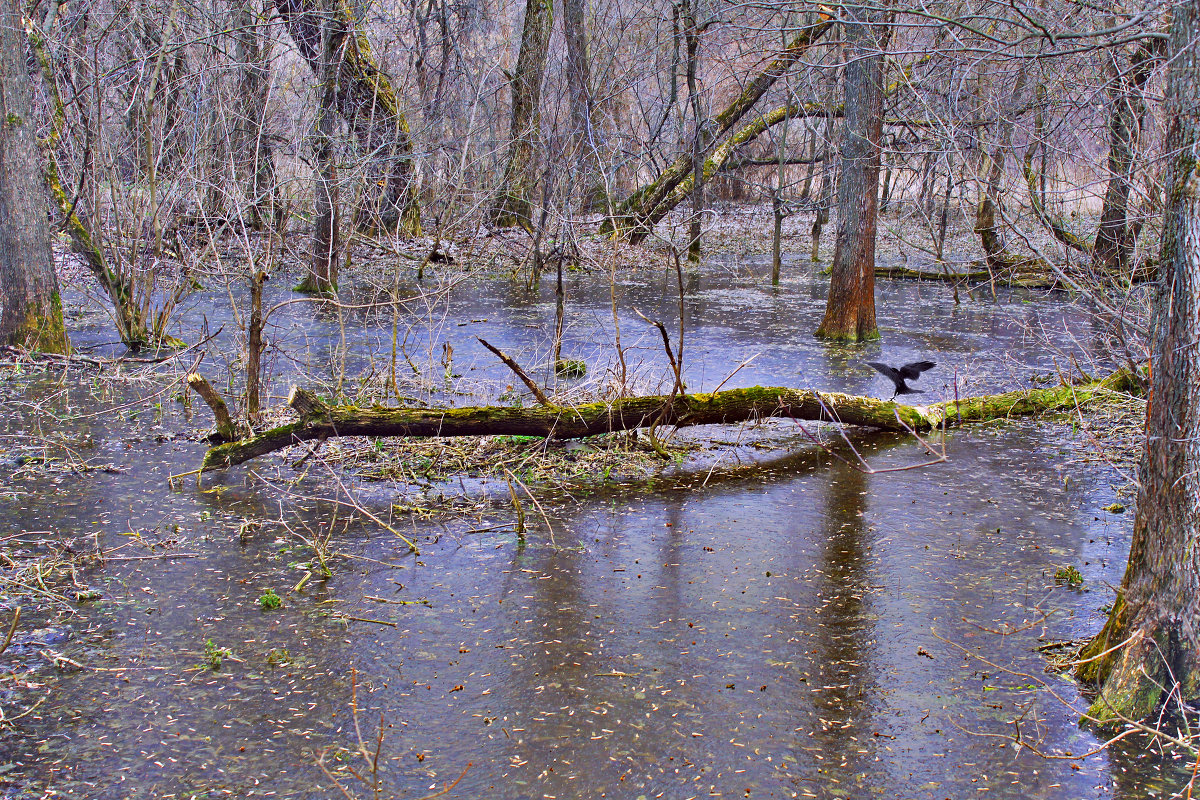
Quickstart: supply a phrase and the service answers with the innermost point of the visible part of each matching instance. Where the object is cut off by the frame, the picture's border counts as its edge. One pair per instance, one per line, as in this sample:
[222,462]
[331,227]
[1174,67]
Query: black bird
[908,372]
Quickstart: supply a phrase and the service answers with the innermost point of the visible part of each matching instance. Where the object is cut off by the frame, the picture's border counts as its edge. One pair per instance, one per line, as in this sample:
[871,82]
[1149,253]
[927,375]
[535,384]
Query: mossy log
[321,421]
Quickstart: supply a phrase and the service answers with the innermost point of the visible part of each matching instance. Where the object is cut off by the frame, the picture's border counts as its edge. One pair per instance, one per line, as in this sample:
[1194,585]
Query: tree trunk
[253,154]
[364,97]
[1149,651]
[633,216]
[1127,108]
[30,306]
[255,345]
[323,268]
[850,310]
[583,110]
[319,421]
[691,38]
[806,189]
[986,227]
[944,216]
[512,205]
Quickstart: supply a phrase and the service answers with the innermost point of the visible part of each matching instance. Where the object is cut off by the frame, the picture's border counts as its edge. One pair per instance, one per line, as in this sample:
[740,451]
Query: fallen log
[321,421]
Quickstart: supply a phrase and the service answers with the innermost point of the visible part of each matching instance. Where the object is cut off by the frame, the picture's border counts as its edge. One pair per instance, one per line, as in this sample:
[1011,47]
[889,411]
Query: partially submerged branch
[321,421]
[538,394]
[227,429]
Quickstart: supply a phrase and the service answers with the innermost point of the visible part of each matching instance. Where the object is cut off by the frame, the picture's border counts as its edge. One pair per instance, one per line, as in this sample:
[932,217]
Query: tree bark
[632,217]
[850,309]
[322,275]
[990,237]
[364,97]
[512,205]
[253,154]
[30,306]
[319,421]
[1149,650]
[583,108]
[1127,108]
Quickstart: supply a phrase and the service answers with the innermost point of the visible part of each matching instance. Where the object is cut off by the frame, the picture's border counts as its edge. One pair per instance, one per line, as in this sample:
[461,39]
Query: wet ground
[757,622]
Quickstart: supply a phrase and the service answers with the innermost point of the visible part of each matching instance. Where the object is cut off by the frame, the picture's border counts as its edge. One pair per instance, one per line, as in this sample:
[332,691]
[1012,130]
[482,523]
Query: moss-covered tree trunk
[30,307]
[1149,651]
[850,308]
[366,100]
[732,406]
[633,217]
[722,153]
[512,204]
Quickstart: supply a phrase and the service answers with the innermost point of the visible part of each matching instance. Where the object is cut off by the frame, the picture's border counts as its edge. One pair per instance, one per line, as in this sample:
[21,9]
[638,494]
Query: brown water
[766,623]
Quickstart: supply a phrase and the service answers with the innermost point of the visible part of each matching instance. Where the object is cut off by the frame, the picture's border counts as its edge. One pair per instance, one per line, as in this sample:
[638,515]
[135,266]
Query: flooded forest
[625,399]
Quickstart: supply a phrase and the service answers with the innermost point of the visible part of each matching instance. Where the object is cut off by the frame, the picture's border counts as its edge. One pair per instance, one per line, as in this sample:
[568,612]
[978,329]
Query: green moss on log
[731,406]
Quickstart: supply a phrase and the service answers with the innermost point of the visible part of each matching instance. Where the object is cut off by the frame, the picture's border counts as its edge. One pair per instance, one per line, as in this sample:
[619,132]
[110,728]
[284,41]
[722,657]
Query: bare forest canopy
[168,124]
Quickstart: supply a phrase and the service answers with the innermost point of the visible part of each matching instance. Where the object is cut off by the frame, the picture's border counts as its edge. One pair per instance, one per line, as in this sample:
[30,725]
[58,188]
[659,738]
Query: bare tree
[365,98]
[253,151]
[512,204]
[850,309]
[322,275]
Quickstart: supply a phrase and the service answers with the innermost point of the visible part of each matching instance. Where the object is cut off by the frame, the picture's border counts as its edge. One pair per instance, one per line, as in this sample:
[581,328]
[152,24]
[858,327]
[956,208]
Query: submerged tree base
[320,421]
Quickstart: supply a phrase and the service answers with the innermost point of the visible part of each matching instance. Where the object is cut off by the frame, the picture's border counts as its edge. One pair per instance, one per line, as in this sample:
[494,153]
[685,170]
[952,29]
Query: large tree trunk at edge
[366,100]
[1149,651]
[850,310]
[30,307]
[512,205]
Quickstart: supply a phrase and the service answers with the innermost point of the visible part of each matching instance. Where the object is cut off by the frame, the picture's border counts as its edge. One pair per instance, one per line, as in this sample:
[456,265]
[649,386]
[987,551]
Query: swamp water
[760,620]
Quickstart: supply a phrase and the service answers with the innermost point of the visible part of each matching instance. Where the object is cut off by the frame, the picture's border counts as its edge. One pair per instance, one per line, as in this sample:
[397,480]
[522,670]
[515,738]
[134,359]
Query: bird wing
[913,371]
[890,372]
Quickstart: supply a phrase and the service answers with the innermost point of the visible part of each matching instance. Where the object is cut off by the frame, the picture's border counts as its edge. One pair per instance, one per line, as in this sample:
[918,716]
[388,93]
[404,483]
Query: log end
[306,404]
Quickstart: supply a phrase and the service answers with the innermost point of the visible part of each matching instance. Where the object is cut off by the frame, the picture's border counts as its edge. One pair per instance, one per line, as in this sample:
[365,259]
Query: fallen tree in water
[320,421]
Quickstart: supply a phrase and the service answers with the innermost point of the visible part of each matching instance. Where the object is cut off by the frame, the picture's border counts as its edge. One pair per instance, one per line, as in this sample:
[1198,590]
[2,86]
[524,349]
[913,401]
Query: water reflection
[762,627]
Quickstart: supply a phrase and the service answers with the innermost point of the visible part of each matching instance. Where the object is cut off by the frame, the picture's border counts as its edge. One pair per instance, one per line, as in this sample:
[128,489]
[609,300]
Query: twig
[365,619]
[745,363]
[149,558]
[538,394]
[675,367]
[12,629]
[446,789]
[536,505]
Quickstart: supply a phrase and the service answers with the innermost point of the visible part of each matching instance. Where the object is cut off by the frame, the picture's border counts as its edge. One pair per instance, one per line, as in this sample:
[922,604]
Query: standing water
[762,617]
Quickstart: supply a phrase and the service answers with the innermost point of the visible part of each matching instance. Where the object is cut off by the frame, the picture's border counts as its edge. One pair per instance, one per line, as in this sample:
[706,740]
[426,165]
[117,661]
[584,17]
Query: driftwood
[321,421]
